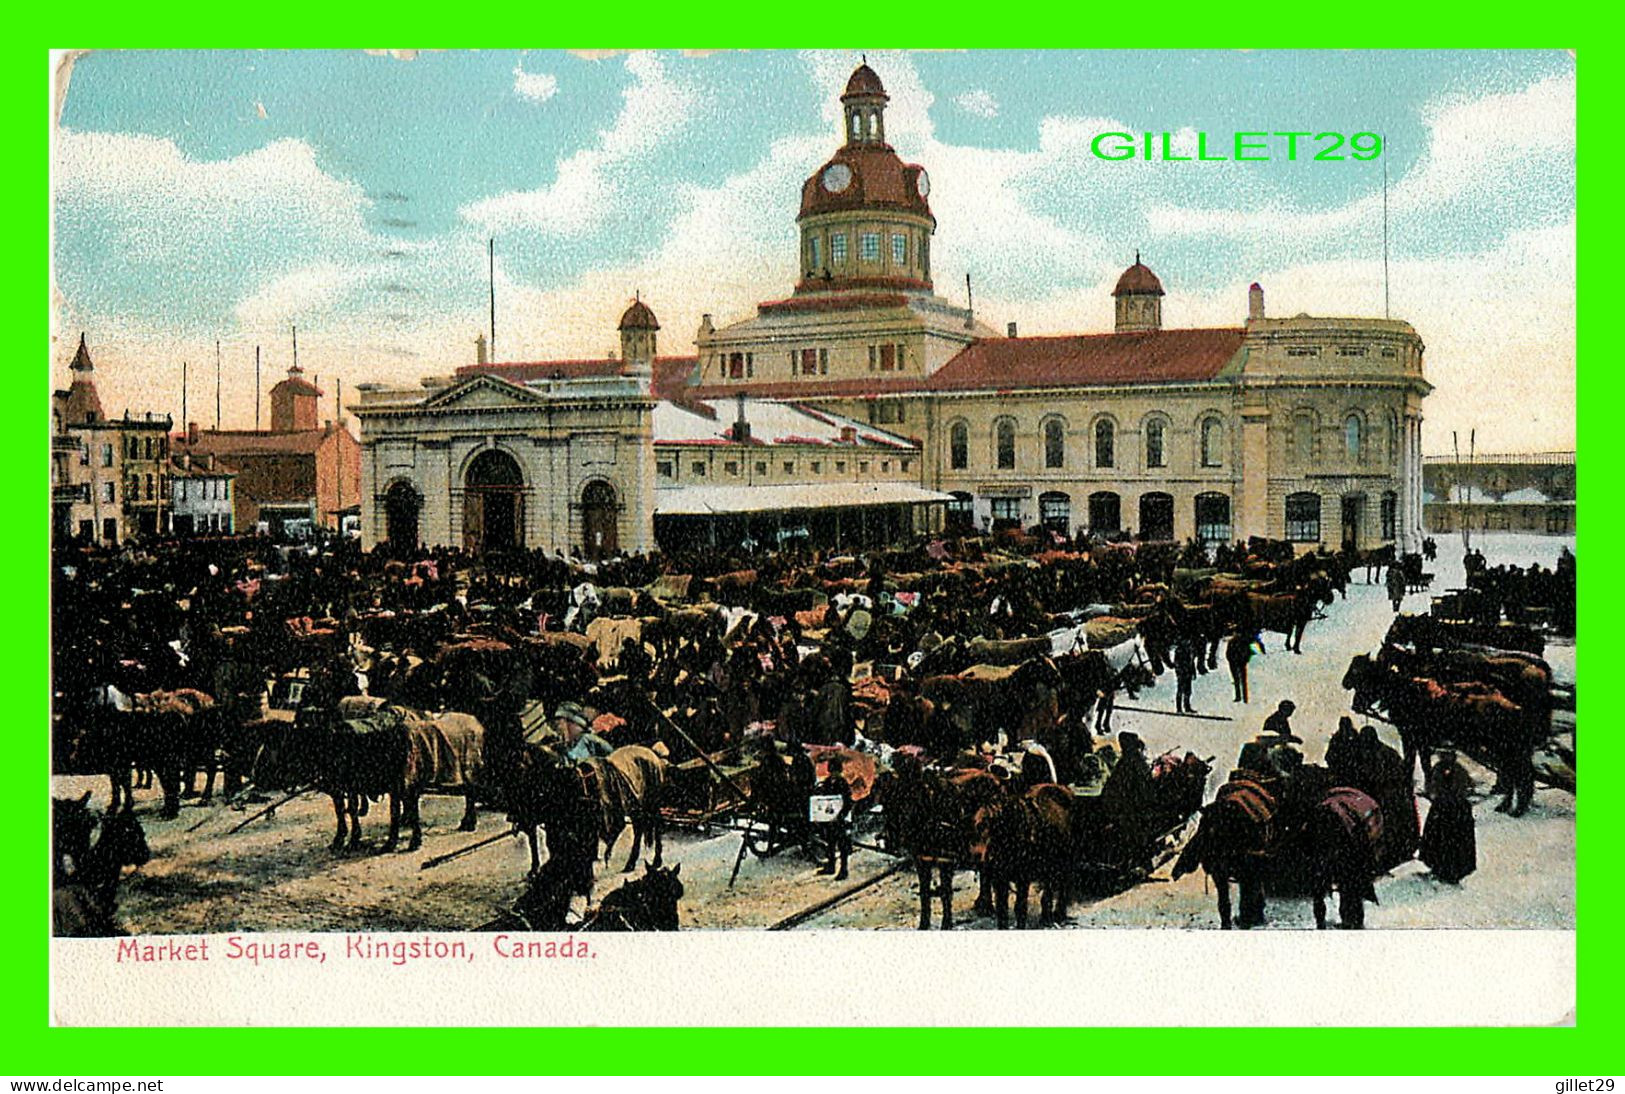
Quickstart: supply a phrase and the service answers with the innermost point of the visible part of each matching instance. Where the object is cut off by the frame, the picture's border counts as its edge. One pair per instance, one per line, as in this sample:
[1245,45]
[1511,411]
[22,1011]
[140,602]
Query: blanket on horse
[1358,812]
[179,701]
[1107,631]
[626,782]
[444,751]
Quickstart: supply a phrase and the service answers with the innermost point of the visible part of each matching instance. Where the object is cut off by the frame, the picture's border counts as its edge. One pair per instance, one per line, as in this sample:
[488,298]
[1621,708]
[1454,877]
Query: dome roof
[1138,278]
[865,81]
[874,177]
[639,317]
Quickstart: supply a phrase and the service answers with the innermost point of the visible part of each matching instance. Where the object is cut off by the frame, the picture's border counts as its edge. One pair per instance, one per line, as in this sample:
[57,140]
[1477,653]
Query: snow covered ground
[278,875]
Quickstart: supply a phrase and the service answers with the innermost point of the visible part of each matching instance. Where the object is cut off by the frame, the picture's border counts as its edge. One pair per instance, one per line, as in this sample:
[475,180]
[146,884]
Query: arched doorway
[1055,512]
[600,519]
[1156,516]
[1212,519]
[1353,514]
[493,503]
[402,503]
[1105,513]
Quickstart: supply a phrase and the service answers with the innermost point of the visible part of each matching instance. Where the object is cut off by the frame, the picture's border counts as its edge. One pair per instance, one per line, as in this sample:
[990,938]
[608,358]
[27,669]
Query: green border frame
[1590,1047]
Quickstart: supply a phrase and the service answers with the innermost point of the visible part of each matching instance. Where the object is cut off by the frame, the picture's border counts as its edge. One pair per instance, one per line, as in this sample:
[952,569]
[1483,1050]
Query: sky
[228,197]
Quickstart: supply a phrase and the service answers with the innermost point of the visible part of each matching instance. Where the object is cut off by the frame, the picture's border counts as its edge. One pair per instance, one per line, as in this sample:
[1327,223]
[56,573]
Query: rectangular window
[794,363]
[1302,351]
[899,357]
[813,259]
[906,464]
[761,467]
[888,358]
[925,255]
[837,249]
[885,466]
[874,353]
[863,467]
[869,244]
[84,455]
[107,455]
[899,250]
[817,467]
[823,362]
[809,362]
[789,467]
[698,469]
[109,491]
[663,468]
[732,467]
[840,467]
[1351,351]
[1007,509]
[736,366]
[750,364]
[1390,352]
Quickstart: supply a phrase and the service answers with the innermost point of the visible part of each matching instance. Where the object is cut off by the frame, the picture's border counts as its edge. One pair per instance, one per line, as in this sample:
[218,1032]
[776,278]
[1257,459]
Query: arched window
[1004,444]
[959,446]
[1105,443]
[1303,518]
[1156,517]
[1212,519]
[1212,442]
[1156,453]
[1054,443]
[1351,438]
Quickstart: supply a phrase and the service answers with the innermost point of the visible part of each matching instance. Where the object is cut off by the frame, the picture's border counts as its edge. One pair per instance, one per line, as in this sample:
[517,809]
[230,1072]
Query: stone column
[1252,517]
[372,517]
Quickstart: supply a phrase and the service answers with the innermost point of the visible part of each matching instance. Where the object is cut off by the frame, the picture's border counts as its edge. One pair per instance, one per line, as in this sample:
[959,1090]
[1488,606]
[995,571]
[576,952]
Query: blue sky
[229,195]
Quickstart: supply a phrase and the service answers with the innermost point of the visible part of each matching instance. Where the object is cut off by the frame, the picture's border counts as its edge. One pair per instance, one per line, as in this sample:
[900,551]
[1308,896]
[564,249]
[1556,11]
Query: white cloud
[537,87]
[978,101]
[585,186]
[1474,146]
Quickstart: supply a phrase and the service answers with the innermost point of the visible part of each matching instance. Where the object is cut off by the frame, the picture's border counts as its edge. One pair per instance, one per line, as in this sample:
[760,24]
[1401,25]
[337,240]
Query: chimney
[1255,301]
[191,433]
[705,326]
[481,356]
[741,424]
[1010,330]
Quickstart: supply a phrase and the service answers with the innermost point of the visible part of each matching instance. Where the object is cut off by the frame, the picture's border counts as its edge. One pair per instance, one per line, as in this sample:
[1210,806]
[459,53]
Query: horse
[1475,716]
[648,903]
[158,731]
[1030,838]
[87,906]
[72,824]
[580,804]
[1307,833]
[932,816]
[1283,613]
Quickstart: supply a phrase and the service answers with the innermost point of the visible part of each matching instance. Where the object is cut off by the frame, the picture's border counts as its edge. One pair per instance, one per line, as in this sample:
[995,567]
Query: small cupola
[638,326]
[1139,298]
[864,104]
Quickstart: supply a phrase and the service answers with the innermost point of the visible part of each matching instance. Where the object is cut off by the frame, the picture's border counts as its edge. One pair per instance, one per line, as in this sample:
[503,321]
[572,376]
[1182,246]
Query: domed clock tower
[865,220]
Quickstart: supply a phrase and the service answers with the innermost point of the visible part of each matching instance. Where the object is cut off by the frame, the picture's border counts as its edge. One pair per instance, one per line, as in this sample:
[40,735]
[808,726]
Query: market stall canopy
[703,500]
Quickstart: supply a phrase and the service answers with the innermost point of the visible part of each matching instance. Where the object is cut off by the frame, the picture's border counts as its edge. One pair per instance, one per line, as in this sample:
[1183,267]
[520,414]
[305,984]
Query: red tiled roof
[249,442]
[294,383]
[1143,357]
[811,387]
[520,371]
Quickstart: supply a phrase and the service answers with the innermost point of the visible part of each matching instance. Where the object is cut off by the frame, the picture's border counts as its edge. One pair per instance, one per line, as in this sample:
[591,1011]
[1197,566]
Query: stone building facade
[1304,428]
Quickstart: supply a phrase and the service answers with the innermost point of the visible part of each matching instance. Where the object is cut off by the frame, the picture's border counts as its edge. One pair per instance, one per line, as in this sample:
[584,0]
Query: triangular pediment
[481,393]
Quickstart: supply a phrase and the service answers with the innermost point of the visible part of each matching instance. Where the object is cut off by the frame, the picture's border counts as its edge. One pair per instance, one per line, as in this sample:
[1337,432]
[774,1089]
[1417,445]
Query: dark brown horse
[87,906]
[931,815]
[580,804]
[1030,839]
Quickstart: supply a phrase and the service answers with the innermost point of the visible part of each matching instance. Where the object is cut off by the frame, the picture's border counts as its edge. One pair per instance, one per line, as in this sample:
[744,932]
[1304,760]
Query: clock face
[837,177]
[924,184]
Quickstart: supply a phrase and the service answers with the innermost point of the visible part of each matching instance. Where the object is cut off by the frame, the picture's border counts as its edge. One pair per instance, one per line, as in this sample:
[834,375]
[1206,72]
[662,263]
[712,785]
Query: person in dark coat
[1184,676]
[837,834]
[1128,798]
[1449,841]
[1396,586]
[1343,753]
[1237,652]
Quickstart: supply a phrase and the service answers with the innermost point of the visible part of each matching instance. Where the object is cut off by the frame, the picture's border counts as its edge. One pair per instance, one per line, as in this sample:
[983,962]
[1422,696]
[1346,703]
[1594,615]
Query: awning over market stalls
[815,514]
[704,500]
